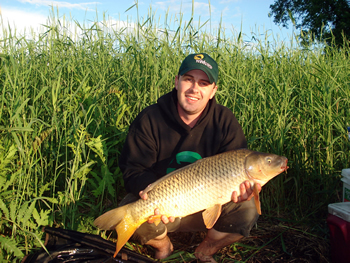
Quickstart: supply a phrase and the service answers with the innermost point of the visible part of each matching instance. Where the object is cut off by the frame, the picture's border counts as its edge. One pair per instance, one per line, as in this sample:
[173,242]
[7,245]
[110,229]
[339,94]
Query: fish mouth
[285,166]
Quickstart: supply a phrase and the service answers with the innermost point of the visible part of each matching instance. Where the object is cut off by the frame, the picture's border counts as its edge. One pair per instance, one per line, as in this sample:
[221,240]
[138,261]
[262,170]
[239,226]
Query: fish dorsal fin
[257,199]
[211,215]
[148,188]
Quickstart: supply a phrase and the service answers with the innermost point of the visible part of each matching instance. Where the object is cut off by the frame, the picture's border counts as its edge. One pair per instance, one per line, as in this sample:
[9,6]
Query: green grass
[67,100]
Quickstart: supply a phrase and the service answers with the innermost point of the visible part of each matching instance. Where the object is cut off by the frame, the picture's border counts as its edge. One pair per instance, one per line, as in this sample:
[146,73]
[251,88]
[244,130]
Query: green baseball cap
[203,62]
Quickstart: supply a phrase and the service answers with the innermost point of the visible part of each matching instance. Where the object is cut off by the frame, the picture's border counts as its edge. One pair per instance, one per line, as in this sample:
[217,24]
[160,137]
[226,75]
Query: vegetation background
[68,98]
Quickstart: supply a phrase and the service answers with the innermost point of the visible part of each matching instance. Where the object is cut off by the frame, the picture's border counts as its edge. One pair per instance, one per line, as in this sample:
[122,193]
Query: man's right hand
[164,219]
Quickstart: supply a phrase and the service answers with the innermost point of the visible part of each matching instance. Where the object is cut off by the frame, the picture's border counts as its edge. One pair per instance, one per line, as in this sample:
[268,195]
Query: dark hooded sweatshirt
[159,141]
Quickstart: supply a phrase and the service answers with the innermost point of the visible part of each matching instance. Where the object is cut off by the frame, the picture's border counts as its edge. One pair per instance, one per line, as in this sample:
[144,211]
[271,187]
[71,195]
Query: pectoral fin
[156,219]
[211,215]
[257,199]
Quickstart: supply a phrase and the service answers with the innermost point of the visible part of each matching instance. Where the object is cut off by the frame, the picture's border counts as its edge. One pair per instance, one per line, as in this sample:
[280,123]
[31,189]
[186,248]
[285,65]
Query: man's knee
[147,232]
[237,218]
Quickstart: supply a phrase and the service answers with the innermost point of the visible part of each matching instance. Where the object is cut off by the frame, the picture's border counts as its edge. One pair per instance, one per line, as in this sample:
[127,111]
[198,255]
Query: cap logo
[198,56]
[199,59]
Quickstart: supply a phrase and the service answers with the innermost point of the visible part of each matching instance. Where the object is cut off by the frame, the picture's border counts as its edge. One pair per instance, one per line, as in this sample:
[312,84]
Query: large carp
[204,185]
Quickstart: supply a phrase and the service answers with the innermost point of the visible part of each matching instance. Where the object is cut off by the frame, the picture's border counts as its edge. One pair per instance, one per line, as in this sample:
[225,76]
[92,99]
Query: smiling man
[185,125]
[194,90]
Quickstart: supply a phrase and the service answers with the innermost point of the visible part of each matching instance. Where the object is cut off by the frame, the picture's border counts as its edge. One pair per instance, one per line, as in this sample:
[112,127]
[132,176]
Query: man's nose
[195,86]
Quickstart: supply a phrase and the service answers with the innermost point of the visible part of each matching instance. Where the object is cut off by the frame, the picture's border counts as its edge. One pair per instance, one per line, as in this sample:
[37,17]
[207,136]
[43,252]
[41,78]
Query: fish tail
[110,219]
[121,220]
[125,230]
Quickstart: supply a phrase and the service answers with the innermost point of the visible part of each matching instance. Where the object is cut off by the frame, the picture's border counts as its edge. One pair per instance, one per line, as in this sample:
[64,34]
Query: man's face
[193,92]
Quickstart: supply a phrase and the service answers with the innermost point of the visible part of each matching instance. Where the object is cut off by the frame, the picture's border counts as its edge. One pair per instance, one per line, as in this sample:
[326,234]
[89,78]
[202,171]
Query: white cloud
[235,12]
[202,8]
[61,4]
[175,6]
[31,24]
[21,20]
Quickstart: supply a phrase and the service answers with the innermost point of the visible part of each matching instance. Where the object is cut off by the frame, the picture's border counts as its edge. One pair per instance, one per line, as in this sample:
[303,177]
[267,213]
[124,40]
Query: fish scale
[204,185]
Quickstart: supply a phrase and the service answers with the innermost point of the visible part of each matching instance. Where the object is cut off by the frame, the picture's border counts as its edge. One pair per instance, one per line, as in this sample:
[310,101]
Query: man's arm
[137,157]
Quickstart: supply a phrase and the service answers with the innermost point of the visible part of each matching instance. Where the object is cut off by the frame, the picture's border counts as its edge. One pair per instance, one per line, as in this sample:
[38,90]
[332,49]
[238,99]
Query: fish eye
[269,160]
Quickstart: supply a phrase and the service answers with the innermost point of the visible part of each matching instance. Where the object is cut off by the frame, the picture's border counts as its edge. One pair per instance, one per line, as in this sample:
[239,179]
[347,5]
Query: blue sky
[251,15]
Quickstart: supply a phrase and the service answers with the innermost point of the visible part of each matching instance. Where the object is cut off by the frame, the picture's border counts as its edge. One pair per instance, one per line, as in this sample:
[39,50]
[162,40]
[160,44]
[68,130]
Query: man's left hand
[164,219]
[246,192]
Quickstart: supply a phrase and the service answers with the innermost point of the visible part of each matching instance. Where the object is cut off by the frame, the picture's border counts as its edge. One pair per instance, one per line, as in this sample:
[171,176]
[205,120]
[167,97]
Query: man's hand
[164,219]
[246,192]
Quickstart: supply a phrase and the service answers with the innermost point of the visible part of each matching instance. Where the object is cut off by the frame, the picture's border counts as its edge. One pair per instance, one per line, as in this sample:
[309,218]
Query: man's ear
[176,81]
[213,92]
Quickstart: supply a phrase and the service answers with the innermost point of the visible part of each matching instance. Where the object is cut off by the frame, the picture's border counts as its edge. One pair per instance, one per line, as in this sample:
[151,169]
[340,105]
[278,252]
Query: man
[185,125]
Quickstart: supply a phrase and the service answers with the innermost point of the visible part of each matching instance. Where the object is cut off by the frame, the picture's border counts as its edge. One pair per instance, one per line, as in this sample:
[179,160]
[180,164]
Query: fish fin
[148,188]
[156,219]
[211,215]
[125,229]
[110,219]
[257,199]
[120,219]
